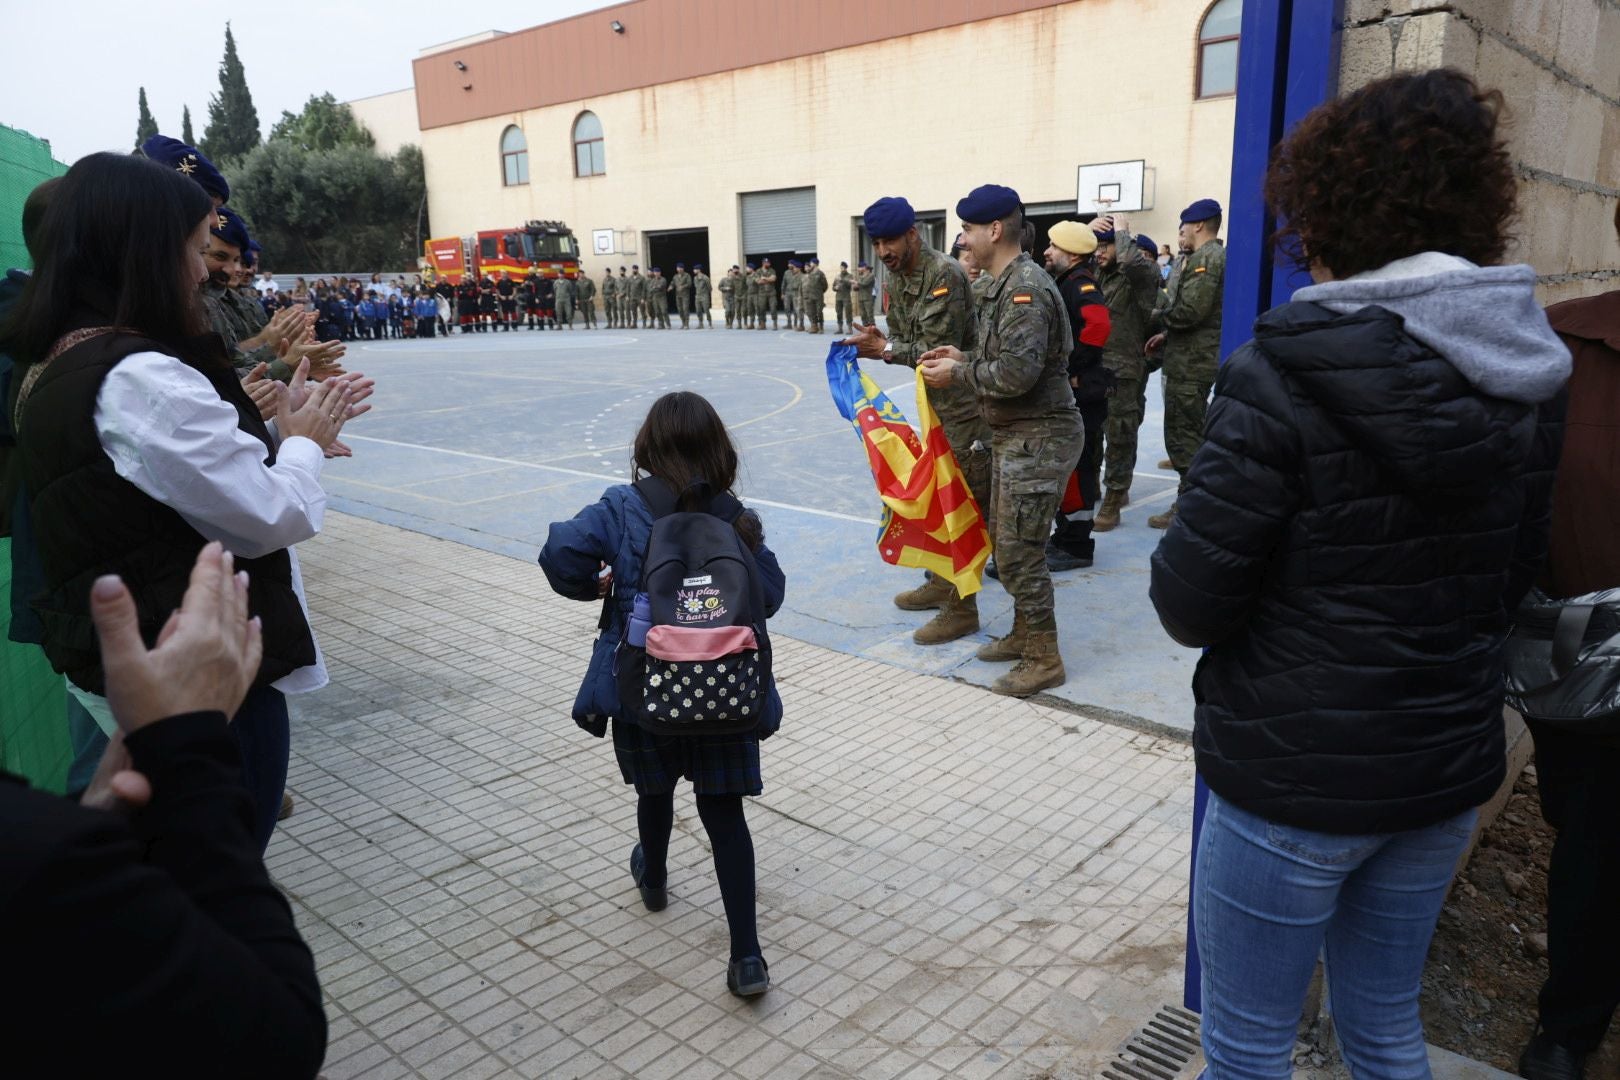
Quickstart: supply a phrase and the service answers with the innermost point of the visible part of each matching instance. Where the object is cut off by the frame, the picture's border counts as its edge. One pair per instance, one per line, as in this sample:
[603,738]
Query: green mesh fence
[24,162]
[33,710]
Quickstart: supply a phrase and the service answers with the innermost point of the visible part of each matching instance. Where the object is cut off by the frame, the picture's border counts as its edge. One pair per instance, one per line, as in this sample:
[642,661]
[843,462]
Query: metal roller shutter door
[782,220]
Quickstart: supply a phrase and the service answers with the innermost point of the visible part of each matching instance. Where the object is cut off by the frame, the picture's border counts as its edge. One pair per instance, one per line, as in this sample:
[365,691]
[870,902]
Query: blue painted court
[487,438]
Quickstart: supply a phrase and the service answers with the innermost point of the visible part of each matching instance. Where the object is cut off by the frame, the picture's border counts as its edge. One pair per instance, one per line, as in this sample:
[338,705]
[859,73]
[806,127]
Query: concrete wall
[391,119]
[1021,100]
[1558,63]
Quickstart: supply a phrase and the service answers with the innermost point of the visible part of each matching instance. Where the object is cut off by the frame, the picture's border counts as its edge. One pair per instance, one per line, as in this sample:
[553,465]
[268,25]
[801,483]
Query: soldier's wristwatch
[888,351]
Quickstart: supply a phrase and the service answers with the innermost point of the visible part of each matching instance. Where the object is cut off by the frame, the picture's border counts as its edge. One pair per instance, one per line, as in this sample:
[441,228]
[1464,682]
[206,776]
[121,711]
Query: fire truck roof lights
[546,226]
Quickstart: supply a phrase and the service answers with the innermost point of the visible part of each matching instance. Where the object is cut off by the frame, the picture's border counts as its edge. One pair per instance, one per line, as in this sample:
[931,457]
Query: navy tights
[723,820]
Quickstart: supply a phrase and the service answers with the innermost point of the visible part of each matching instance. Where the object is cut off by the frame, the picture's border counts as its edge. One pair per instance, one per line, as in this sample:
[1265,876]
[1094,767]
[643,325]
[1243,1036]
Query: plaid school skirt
[716,764]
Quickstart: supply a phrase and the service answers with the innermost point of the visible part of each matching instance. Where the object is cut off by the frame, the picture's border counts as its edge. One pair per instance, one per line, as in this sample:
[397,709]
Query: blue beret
[656,270]
[1105,237]
[186,159]
[680,266]
[991,202]
[1202,210]
[229,227]
[890,216]
[697,266]
[633,266]
[861,264]
[1146,244]
[749,265]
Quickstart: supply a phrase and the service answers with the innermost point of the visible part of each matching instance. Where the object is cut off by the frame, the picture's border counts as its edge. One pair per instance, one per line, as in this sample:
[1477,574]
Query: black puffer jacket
[1357,528]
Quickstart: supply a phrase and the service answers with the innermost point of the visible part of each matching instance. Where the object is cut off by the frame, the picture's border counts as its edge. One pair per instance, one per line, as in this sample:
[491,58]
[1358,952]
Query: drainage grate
[1167,1048]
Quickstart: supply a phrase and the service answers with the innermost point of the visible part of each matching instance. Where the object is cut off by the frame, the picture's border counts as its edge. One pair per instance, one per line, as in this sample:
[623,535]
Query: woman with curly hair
[1368,508]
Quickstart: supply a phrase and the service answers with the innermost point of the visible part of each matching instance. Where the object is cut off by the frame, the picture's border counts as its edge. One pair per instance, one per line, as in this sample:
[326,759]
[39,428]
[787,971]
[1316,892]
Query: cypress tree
[145,127]
[185,126]
[233,123]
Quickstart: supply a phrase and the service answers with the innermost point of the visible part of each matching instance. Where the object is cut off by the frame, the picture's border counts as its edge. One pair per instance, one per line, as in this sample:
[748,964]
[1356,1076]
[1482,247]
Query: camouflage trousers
[683,306]
[730,306]
[841,309]
[587,309]
[1030,468]
[1125,408]
[866,310]
[790,308]
[1187,382]
[702,308]
[565,312]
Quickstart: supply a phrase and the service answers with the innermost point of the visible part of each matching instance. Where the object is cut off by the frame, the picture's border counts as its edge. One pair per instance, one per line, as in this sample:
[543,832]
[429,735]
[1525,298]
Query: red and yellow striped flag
[930,519]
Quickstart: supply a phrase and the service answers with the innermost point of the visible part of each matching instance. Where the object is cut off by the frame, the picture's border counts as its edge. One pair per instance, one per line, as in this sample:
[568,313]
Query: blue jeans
[1270,898]
[261,730]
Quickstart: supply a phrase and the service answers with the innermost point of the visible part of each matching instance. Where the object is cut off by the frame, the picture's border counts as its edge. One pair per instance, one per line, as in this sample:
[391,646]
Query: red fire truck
[546,246]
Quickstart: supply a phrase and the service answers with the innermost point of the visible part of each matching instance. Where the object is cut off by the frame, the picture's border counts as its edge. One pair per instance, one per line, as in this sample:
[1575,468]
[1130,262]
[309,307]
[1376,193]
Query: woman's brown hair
[1406,164]
[684,443]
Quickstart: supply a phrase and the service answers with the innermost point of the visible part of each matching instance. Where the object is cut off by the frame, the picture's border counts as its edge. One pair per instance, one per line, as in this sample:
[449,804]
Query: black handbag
[1562,661]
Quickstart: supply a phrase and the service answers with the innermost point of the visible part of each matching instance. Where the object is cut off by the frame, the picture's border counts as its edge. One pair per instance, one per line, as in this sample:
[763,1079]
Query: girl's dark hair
[1406,164]
[684,443]
[113,241]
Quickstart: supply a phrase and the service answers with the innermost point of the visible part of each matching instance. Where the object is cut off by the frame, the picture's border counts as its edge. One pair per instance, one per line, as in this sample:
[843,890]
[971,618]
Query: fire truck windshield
[552,245]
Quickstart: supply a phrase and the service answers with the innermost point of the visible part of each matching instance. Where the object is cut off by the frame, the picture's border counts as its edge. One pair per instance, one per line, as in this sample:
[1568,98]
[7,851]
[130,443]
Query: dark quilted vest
[89,521]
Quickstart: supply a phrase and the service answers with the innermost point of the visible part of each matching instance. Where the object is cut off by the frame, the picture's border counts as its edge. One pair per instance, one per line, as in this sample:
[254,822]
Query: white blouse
[170,434]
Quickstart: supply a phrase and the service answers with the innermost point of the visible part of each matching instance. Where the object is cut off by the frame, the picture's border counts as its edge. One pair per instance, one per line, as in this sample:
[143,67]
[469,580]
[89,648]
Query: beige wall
[391,119]
[1020,100]
[1558,64]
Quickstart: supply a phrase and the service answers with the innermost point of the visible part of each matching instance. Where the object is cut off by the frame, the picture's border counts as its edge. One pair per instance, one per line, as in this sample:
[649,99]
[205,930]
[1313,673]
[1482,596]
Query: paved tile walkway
[950,883]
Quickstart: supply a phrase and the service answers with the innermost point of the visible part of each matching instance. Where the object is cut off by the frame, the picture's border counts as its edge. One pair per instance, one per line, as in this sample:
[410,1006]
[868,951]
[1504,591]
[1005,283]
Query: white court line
[620,479]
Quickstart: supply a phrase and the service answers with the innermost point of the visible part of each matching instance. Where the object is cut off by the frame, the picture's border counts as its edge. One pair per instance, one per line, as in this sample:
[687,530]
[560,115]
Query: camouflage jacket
[585,287]
[843,284]
[1019,366]
[657,287]
[727,285]
[563,289]
[930,307]
[610,286]
[792,282]
[764,281]
[636,287]
[815,285]
[865,282]
[701,286]
[682,284]
[1190,311]
[1131,287]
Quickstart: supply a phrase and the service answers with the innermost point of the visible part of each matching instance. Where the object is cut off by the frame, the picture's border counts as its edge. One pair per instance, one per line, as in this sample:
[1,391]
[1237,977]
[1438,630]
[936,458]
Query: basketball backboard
[1115,186]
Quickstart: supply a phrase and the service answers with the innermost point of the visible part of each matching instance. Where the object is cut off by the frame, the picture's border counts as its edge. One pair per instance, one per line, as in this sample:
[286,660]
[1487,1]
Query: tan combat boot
[1040,669]
[1108,513]
[956,619]
[933,593]
[1162,521]
[1003,649]
[1167,464]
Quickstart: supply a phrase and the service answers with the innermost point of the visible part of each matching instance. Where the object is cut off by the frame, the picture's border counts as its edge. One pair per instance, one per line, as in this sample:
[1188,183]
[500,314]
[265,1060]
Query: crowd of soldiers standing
[750,296]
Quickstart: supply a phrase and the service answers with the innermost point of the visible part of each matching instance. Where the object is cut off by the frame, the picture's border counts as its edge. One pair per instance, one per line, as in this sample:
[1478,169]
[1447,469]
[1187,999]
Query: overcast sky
[72,70]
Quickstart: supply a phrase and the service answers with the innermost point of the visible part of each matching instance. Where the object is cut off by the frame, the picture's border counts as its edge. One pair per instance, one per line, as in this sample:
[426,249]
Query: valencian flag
[929,517]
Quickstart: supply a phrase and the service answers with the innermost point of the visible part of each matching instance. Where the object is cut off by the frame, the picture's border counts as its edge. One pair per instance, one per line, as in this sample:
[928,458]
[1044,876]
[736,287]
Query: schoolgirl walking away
[684,465]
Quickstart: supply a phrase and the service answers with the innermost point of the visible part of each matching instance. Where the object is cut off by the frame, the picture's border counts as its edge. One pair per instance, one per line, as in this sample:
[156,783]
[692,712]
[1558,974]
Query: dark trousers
[424,328]
[1078,509]
[1580,797]
[262,735]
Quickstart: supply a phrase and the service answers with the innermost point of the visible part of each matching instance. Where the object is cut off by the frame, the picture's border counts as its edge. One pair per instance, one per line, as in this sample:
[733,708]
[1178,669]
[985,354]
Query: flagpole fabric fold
[930,519]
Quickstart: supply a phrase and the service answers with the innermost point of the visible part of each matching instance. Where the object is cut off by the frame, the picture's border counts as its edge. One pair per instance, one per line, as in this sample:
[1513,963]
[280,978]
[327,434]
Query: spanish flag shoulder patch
[939,292]
[1200,269]
[1088,288]
[1023,298]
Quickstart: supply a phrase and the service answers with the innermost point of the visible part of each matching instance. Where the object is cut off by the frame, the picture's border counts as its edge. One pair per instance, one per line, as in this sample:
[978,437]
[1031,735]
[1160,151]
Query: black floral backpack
[695,659]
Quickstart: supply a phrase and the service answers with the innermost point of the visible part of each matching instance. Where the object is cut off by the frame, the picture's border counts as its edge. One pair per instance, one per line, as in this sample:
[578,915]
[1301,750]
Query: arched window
[1218,48]
[514,157]
[589,158]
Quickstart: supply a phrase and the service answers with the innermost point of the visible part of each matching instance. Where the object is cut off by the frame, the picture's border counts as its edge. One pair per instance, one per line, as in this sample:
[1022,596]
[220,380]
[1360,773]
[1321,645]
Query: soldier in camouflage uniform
[683,294]
[929,307]
[563,297]
[1018,368]
[792,279]
[842,286]
[745,297]
[765,298]
[1130,283]
[865,291]
[658,299]
[1188,331]
[813,303]
[638,298]
[702,297]
[586,288]
[728,294]
[610,299]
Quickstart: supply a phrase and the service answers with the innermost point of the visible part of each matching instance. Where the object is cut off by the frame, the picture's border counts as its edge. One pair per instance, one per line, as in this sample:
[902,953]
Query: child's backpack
[695,658]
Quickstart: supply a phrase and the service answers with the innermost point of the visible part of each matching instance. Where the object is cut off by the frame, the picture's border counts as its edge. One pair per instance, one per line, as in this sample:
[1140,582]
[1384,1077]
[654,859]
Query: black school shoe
[1059,559]
[655,899]
[1544,1059]
[748,977]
